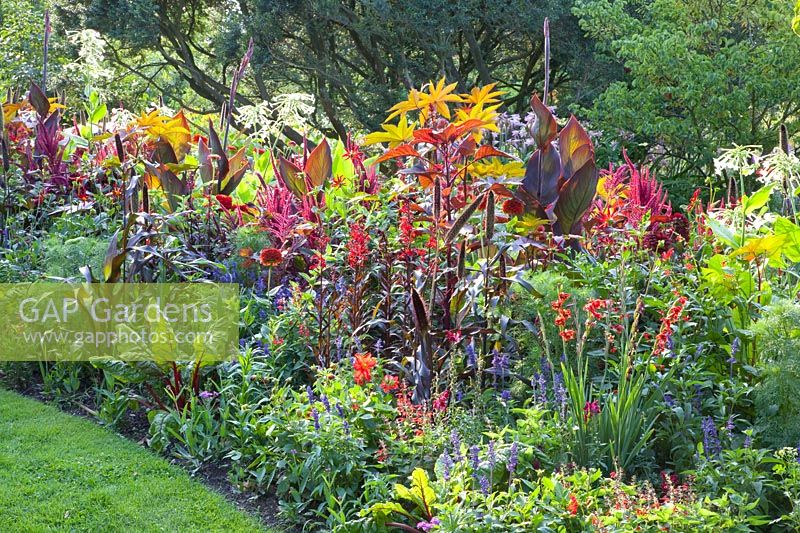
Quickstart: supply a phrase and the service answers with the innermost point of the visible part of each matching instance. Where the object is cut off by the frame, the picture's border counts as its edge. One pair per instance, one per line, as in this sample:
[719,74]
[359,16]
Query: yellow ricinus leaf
[54,104]
[482,95]
[10,110]
[150,119]
[174,130]
[530,222]
[755,247]
[437,97]
[433,96]
[413,103]
[488,116]
[392,134]
[496,168]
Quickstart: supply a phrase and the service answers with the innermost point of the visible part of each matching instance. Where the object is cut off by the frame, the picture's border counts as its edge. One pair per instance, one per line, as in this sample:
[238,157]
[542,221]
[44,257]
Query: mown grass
[61,473]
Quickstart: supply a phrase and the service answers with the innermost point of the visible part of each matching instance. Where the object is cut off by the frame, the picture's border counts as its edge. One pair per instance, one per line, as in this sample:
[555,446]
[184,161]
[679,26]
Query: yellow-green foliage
[777,396]
[62,258]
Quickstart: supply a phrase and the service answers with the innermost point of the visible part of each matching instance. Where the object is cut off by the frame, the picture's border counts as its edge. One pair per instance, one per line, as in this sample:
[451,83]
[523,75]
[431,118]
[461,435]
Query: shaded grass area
[60,472]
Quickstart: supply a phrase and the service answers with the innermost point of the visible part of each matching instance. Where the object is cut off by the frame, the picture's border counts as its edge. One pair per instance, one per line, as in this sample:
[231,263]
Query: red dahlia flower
[363,364]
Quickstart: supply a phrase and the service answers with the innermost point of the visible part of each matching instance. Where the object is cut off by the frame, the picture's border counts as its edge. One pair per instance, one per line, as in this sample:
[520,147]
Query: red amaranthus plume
[279,214]
[645,194]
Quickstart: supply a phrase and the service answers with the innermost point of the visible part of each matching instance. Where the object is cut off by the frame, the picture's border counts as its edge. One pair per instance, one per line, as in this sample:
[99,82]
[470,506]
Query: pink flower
[590,409]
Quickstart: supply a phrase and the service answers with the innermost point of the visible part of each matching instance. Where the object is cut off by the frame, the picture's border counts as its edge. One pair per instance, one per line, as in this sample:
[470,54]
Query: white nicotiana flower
[781,169]
[740,159]
[266,119]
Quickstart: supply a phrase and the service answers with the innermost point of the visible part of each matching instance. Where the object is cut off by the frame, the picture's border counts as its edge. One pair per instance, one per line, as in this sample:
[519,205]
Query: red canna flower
[572,507]
[363,363]
[270,257]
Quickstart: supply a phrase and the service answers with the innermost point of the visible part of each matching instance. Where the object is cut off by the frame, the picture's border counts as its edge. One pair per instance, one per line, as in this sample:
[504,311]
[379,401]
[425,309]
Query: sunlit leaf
[489,151]
[545,129]
[574,146]
[575,197]
[318,166]
[403,150]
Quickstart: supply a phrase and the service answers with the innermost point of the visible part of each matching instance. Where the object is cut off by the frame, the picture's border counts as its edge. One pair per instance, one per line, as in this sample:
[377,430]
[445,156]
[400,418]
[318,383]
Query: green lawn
[62,473]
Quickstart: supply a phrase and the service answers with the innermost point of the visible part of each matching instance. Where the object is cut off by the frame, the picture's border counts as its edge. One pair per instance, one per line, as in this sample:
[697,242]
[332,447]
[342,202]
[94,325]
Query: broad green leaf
[722,232]
[758,200]
[421,486]
[98,114]
[791,248]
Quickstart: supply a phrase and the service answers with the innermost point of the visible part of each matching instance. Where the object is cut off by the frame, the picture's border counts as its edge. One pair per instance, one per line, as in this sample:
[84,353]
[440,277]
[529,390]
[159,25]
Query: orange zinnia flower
[362,366]
[270,257]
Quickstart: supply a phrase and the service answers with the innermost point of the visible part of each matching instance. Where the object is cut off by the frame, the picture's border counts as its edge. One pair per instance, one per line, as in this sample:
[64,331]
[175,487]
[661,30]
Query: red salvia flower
[381,454]
[358,246]
[408,234]
[390,383]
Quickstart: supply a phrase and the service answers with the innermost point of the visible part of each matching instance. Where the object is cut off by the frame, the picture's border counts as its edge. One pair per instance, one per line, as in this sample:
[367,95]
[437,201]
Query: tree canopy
[700,74]
[355,57]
